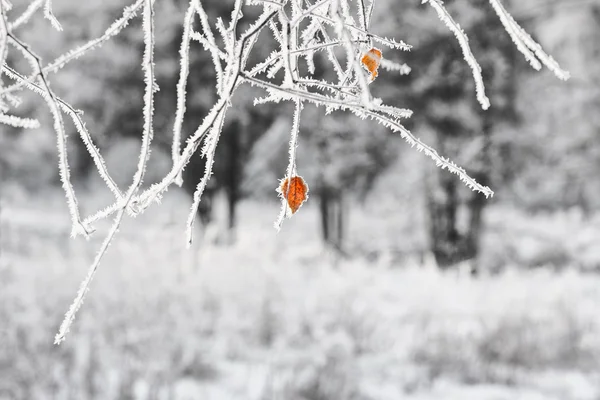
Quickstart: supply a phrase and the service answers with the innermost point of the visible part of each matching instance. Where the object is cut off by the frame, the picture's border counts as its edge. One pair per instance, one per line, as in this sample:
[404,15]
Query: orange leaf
[371,60]
[298,192]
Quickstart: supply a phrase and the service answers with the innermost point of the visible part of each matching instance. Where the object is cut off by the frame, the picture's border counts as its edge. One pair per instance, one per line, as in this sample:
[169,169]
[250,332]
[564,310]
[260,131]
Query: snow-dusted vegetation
[283,322]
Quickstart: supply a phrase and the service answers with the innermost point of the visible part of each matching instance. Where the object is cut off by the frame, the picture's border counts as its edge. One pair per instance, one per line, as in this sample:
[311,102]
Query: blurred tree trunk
[442,206]
[332,212]
[449,243]
[329,189]
[233,173]
[477,202]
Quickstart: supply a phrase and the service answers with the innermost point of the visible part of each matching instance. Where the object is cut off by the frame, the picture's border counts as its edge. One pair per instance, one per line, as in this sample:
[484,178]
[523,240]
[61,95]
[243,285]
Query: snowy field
[276,317]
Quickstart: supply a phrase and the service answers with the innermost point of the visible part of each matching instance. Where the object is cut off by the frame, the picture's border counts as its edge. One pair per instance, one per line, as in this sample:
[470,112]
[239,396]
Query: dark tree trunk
[448,244]
[442,204]
[477,202]
[332,212]
[324,202]
[233,171]
[341,214]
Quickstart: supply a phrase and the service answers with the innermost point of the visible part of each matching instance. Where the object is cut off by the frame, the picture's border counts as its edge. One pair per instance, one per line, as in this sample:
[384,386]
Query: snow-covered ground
[276,317]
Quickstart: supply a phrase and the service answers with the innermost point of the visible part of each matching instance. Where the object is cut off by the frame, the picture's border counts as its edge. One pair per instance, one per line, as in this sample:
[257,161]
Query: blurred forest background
[393,281]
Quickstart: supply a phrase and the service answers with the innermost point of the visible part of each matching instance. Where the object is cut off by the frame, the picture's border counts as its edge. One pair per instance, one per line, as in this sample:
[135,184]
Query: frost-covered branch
[50,15]
[18,122]
[148,67]
[79,125]
[210,37]
[128,14]
[525,44]
[209,153]
[351,52]
[291,170]
[461,36]
[376,114]
[3,51]
[51,101]
[28,13]
[184,61]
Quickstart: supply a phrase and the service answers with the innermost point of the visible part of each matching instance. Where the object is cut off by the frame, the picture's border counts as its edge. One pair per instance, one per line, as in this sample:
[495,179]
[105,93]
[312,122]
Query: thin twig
[359,109]
[80,126]
[148,66]
[184,61]
[463,41]
[50,98]
[128,13]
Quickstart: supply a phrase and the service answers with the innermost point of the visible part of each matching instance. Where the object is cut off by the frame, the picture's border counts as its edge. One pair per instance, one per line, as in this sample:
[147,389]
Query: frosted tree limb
[148,67]
[27,14]
[50,16]
[525,44]
[3,39]
[276,56]
[194,141]
[323,85]
[291,169]
[330,53]
[148,130]
[391,43]
[207,45]
[351,53]
[236,15]
[463,41]
[210,159]
[184,61]
[65,326]
[309,11]
[128,14]
[389,65]
[80,126]
[514,35]
[208,32]
[289,77]
[216,125]
[361,111]
[50,98]
[19,122]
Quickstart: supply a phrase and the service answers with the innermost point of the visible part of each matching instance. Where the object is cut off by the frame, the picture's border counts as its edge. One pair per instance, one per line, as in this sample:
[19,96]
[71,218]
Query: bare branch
[291,170]
[23,18]
[50,16]
[50,98]
[19,122]
[184,60]
[80,126]
[360,110]
[526,44]
[464,45]
[148,66]
[128,14]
